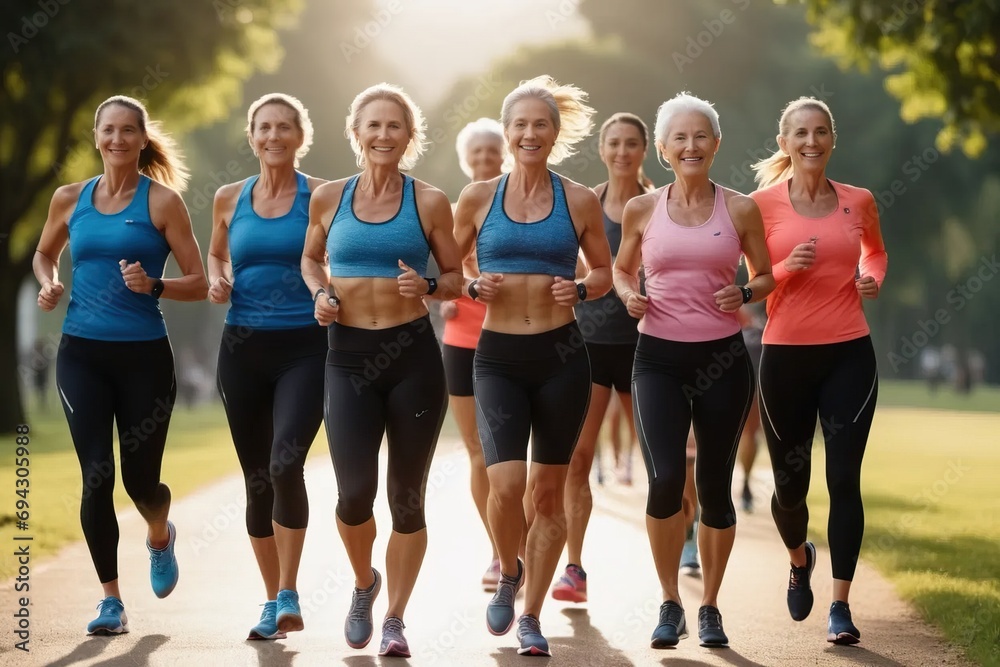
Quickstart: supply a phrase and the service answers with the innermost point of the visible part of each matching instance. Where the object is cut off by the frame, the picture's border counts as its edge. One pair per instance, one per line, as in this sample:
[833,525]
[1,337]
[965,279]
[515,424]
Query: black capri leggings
[131,384]
[391,382]
[674,384]
[271,382]
[537,384]
[838,382]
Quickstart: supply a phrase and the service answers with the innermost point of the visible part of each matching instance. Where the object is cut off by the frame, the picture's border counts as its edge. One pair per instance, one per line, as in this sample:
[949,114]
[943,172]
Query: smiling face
[623,149]
[382,133]
[531,132]
[484,155]
[276,135]
[119,135]
[808,139]
[689,145]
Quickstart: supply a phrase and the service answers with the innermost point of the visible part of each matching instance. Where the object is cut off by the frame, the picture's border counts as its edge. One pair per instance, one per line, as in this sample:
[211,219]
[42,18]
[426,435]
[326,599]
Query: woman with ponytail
[114,364]
[817,360]
[532,374]
[611,334]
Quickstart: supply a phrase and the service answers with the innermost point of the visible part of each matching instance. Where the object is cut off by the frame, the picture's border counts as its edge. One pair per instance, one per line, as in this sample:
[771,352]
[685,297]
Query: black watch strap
[157,288]
[432,285]
[581,291]
[747,294]
[473,294]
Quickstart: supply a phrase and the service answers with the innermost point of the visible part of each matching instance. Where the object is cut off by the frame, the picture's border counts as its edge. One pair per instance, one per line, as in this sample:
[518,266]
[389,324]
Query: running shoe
[111,618]
[689,558]
[500,610]
[710,630]
[358,627]
[267,627]
[800,595]
[289,615]
[529,633]
[163,570]
[572,586]
[393,642]
[672,628]
[840,628]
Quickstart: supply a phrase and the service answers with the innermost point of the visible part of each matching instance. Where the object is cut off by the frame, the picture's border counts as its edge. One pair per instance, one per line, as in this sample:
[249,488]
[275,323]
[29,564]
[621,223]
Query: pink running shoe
[572,586]
[492,576]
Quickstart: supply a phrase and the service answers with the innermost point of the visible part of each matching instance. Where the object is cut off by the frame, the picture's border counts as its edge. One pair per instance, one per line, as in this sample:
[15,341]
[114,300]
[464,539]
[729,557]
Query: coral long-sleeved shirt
[821,304]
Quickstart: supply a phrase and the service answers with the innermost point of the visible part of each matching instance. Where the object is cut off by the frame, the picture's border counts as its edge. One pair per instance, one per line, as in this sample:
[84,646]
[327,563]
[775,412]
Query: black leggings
[271,382]
[674,384]
[384,382]
[131,384]
[839,382]
[537,384]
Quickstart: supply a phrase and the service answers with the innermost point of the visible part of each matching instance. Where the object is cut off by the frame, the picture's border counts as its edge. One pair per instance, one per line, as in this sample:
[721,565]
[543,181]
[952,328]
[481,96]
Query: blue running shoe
[267,627]
[529,633]
[163,570]
[500,610]
[393,642]
[840,628]
[289,616]
[672,627]
[800,595]
[358,627]
[710,630]
[111,619]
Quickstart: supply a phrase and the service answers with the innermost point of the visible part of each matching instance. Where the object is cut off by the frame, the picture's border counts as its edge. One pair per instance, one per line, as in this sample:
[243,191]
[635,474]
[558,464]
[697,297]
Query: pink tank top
[684,267]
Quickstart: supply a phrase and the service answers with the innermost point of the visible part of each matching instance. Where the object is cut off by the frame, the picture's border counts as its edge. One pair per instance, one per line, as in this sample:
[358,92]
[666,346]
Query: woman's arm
[585,210]
[749,226]
[220,267]
[55,236]
[167,206]
[626,270]
[433,206]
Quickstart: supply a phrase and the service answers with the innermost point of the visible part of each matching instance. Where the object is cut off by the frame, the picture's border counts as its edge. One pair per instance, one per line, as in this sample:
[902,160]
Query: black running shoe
[800,595]
[840,628]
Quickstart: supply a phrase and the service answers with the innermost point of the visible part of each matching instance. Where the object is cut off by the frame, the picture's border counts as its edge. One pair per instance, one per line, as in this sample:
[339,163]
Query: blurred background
[913,87]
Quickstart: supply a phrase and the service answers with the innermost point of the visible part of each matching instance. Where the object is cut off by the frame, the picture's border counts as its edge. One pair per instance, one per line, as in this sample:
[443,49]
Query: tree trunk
[11,405]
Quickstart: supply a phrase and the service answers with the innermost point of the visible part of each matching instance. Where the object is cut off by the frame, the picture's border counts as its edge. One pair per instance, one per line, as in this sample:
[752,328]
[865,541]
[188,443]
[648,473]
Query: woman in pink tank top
[817,358]
[691,365]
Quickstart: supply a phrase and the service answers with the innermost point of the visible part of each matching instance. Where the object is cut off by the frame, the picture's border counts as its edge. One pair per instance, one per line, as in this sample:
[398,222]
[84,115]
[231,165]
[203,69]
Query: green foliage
[941,58]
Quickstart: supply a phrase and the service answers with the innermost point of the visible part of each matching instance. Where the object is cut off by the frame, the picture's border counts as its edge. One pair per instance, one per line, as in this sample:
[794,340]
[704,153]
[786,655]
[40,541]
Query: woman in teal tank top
[114,363]
[270,370]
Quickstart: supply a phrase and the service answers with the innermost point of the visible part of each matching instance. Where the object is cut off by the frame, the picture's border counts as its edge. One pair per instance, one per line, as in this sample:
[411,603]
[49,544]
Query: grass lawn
[932,514]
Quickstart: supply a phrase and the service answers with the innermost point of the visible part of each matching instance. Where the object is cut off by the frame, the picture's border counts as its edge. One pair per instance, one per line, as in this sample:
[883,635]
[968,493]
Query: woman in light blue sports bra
[531,370]
[115,365]
[384,374]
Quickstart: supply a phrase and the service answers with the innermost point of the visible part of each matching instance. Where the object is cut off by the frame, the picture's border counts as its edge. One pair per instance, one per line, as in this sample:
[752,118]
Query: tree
[941,57]
[63,59]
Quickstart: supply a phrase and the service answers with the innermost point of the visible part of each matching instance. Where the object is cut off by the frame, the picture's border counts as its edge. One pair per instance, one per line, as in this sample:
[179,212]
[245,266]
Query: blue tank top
[548,247]
[606,321]
[268,290]
[101,307]
[360,249]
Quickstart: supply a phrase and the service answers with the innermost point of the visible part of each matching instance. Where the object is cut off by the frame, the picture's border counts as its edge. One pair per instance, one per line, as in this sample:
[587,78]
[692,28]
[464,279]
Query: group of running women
[535,341]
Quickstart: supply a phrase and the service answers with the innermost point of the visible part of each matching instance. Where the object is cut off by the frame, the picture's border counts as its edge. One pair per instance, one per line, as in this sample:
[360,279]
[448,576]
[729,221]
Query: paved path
[205,620]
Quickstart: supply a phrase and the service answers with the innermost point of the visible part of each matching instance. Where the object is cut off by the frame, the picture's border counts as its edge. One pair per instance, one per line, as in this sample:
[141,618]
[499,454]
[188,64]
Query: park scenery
[914,88]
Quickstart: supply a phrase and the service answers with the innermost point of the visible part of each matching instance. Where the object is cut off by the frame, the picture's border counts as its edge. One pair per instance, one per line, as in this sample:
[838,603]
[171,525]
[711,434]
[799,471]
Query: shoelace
[711,618]
[160,561]
[109,606]
[506,590]
[393,626]
[528,625]
[671,614]
[797,577]
[361,605]
[269,614]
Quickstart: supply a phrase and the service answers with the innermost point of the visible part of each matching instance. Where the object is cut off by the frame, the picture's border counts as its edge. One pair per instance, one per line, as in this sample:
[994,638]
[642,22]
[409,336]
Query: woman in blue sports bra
[270,371]
[531,370]
[384,374]
[114,364]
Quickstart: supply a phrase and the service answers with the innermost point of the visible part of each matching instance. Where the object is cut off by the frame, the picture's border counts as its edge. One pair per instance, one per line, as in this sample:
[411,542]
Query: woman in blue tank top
[271,357]
[384,374]
[532,374]
[611,335]
[114,363]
